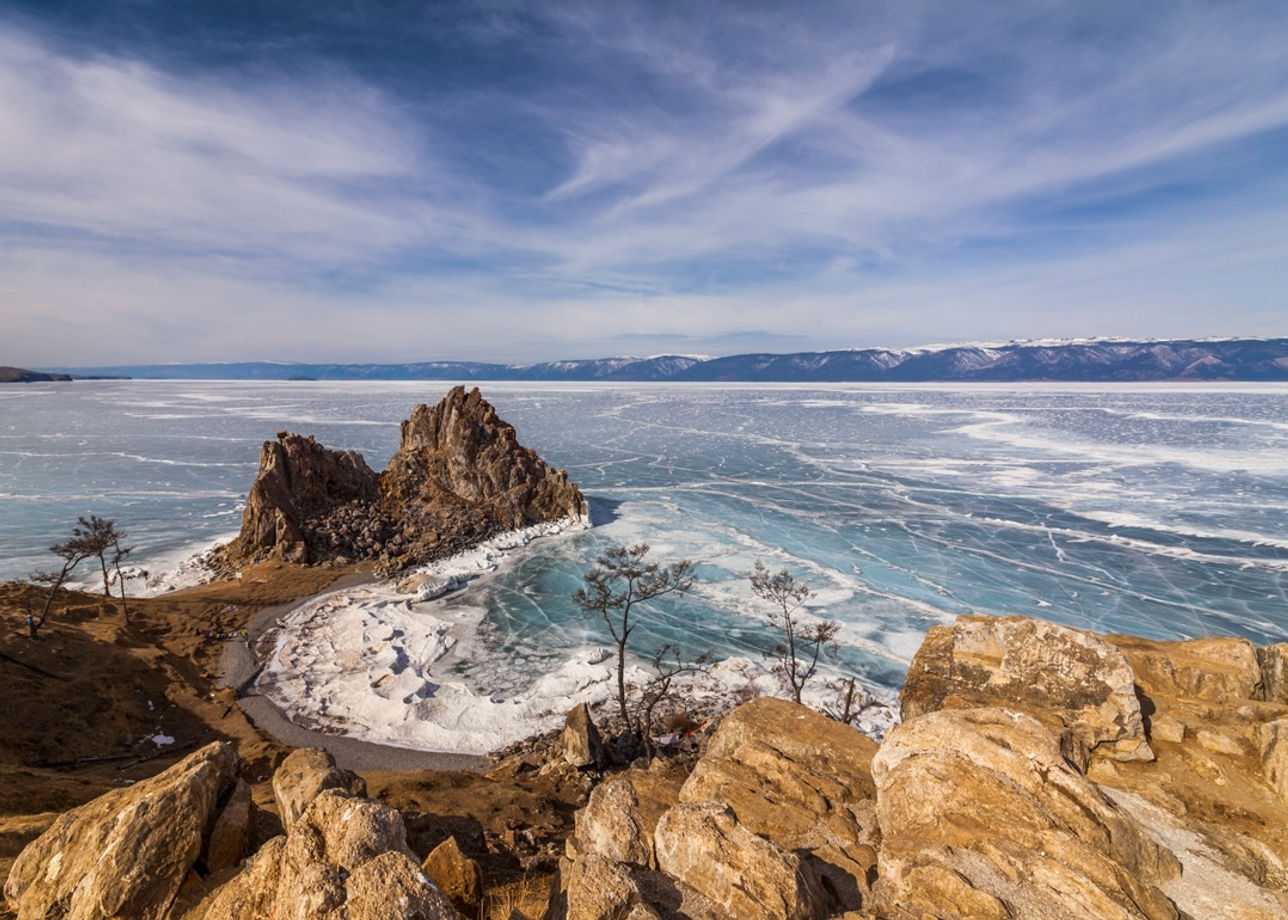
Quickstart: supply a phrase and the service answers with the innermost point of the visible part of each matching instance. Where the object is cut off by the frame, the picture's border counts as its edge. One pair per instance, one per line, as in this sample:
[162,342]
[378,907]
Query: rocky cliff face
[458,477]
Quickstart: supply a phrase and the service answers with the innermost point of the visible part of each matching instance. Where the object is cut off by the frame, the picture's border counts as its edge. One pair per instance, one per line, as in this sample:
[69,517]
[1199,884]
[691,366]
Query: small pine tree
[797,655]
[621,579]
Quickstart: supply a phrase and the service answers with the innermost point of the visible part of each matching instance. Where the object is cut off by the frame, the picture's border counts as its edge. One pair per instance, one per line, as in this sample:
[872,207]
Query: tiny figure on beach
[31,625]
[223,635]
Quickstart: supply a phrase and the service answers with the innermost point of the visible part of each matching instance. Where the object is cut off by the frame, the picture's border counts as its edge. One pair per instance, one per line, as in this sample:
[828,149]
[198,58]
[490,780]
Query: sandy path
[240,666]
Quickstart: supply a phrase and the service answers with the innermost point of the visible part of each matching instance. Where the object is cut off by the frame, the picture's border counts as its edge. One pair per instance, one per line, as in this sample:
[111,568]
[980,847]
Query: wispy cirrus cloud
[519,179]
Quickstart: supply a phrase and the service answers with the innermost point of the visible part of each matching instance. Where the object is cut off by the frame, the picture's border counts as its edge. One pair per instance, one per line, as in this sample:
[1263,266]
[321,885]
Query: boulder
[580,743]
[344,858]
[802,781]
[457,876]
[232,829]
[611,825]
[1274,755]
[702,845]
[127,852]
[597,888]
[1218,670]
[981,817]
[458,477]
[1074,681]
[302,775]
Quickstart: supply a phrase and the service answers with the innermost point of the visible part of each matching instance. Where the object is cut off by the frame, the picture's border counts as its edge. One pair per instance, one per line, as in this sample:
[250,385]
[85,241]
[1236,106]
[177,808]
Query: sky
[314,180]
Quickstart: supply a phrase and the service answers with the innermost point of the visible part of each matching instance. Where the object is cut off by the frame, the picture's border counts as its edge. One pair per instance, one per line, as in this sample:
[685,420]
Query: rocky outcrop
[1054,846]
[302,775]
[457,876]
[803,782]
[1079,684]
[458,477]
[345,858]
[126,853]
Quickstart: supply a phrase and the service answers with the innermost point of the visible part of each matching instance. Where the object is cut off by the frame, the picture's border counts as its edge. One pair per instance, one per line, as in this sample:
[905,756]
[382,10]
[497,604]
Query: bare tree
[72,553]
[668,665]
[620,579]
[797,655]
[119,553]
[95,537]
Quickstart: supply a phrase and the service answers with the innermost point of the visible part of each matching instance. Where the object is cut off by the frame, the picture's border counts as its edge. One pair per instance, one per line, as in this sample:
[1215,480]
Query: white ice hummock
[378,666]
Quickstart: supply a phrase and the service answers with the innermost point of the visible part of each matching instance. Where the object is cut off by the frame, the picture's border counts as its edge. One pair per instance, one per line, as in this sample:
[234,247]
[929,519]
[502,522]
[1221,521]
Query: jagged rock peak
[458,477]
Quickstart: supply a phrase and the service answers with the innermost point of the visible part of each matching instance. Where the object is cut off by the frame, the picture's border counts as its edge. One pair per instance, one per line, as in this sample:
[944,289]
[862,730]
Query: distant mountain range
[1088,360]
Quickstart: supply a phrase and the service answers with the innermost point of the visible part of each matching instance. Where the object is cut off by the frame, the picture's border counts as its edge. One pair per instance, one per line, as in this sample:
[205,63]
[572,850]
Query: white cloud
[891,174]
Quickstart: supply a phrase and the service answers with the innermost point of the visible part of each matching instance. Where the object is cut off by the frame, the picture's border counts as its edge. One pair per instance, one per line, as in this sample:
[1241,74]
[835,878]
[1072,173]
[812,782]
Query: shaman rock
[459,476]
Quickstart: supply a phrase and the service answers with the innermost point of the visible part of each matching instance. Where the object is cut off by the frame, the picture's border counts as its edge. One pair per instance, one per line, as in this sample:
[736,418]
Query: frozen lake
[1155,510]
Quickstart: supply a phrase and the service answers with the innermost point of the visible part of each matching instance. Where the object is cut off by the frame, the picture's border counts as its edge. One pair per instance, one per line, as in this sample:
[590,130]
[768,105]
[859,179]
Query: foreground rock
[1054,846]
[803,782]
[126,853]
[982,804]
[1078,683]
[305,773]
[458,477]
[1042,773]
[344,859]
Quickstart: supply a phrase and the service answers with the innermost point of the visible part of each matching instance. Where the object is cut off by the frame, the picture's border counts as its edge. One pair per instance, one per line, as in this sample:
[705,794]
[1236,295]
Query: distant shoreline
[22,375]
[1089,360]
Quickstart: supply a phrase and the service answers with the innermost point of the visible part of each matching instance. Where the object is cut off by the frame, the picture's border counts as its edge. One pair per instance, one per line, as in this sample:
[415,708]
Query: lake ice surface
[1154,510]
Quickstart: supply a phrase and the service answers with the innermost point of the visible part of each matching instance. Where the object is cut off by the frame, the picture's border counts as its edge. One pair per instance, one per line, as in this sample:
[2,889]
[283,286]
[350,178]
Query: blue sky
[346,181]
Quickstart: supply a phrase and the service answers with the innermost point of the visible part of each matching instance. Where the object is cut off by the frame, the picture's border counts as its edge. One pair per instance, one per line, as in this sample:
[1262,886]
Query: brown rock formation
[459,476]
[302,775]
[126,853]
[1077,683]
[1054,846]
[345,859]
[803,782]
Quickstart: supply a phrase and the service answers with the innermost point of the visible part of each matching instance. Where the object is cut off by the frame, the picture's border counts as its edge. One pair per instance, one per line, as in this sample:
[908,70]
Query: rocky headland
[1040,772]
[459,476]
